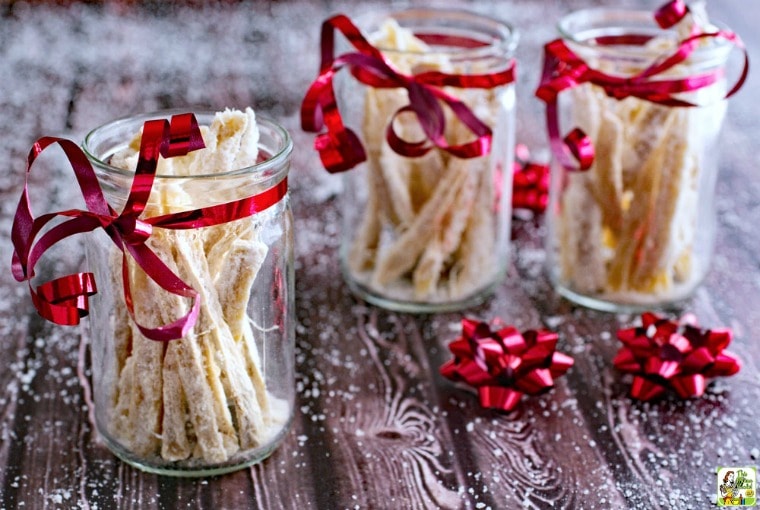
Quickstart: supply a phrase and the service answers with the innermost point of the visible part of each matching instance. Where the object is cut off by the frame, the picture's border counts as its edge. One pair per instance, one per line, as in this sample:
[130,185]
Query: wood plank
[373,410]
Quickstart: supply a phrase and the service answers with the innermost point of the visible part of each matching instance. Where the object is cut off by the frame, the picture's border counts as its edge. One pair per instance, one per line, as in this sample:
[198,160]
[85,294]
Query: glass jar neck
[275,147]
[453,34]
[624,41]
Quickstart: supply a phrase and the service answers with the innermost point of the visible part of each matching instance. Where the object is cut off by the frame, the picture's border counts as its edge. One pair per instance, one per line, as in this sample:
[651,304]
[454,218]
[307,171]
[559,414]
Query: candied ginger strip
[580,234]
[402,255]
[607,172]
[146,400]
[650,260]
[175,444]
[238,388]
[367,239]
[635,236]
[446,240]
[233,279]
[476,251]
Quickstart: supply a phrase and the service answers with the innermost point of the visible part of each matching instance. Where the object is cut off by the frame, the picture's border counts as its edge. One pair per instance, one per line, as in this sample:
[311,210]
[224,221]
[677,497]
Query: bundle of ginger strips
[627,227]
[428,229]
[201,398]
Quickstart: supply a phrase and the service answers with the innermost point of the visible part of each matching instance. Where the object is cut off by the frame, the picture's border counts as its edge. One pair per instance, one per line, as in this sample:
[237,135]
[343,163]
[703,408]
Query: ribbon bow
[530,186]
[564,70]
[677,355]
[64,300]
[505,364]
[340,148]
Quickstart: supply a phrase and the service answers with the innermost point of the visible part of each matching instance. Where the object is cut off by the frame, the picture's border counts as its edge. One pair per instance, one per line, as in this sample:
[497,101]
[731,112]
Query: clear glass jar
[637,229]
[221,397]
[429,233]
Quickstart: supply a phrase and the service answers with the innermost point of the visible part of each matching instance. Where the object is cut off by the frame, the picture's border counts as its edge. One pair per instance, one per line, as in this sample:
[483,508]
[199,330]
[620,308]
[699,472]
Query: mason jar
[220,397]
[636,230]
[429,232]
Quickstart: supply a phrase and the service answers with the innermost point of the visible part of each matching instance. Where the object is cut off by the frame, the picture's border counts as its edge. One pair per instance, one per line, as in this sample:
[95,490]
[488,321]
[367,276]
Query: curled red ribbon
[340,148]
[563,70]
[671,13]
[505,364]
[64,300]
[663,354]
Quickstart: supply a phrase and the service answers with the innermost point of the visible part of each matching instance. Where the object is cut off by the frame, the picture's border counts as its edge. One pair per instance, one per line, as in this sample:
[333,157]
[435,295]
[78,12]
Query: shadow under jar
[429,233]
[637,229]
[221,397]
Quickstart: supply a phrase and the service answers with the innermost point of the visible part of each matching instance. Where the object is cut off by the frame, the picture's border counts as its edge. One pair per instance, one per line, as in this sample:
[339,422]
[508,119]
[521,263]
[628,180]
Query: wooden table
[376,425]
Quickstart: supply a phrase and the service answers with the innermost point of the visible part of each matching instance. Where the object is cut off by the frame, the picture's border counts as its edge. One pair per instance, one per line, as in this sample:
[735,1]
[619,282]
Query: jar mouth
[276,156]
[450,32]
[587,28]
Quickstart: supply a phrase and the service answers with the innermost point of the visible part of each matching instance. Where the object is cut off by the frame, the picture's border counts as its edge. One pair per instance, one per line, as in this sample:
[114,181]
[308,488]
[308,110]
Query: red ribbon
[530,182]
[564,70]
[677,355]
[64,300]
[340,148]
[505,364]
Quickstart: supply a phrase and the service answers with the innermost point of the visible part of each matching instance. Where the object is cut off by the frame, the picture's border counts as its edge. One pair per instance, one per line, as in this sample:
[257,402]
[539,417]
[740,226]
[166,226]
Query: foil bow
[65,300]
[340,148]
[530,182]
[504,364]
[678,355]
[563,70]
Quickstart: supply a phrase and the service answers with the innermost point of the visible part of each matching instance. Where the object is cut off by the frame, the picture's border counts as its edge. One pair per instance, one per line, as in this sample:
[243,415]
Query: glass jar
[636,230]
[431,232]
[221,397]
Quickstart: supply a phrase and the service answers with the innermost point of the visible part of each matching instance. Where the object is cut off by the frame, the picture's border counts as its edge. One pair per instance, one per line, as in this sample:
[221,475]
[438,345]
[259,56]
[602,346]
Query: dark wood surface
[376,426]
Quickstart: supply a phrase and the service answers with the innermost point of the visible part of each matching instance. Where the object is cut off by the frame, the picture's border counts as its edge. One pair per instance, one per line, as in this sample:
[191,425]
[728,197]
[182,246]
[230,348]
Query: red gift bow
[563,70]
[505,364]
[64,300]
[530,181]
[340,148]
[678,355]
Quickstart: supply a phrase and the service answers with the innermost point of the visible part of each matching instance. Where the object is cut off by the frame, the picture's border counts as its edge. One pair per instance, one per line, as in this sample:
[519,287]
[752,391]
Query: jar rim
[499,34]
[273,161]
[645,25]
